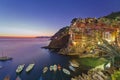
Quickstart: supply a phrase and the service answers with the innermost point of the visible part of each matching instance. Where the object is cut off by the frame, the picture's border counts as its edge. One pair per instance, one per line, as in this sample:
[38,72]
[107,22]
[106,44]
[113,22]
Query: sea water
[26,51]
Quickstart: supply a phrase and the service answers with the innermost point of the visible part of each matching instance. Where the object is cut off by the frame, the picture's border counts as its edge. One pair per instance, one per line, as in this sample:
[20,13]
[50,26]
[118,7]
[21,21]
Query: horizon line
[22,36]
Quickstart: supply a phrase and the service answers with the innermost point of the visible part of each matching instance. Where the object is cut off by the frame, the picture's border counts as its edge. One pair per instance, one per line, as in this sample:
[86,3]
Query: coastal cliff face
[82,36]
[60,39]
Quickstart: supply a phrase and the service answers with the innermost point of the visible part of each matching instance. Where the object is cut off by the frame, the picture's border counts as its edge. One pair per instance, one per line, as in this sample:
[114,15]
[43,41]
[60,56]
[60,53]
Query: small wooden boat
[71,68]
[7,78]
[59,67]
[30,67]
[18,78]
[51,68]
[66,71]
[45,69]
[55,68]
[20,68]
[74,63]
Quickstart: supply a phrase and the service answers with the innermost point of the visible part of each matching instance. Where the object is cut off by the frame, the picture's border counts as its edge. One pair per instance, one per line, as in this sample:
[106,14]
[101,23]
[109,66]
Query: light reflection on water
[28,51]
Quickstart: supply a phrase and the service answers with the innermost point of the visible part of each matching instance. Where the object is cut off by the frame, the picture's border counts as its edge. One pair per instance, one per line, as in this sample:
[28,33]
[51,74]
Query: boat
[59,67]
[7,78]
[20,68]
[71,68]
[51,68]
[18,78]
[45,69]
[55,68]
[30,67]
[74,63]
[5,58]
[66,71]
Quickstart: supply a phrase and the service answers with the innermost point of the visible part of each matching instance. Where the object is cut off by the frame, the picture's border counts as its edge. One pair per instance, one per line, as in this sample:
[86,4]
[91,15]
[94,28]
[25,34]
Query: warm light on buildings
[89,35]
[98,42]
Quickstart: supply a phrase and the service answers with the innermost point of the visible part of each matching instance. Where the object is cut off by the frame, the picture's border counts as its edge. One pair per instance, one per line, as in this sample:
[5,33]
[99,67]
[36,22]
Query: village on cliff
[92,39]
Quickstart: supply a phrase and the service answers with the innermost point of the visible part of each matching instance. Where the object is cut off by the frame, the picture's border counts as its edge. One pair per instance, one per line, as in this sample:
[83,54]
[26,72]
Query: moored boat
[45,69]
[20,68]
[5,58]
[74,64]
[30,67]
[59,67]
[66,71]
[55,68]
[71,68]
[51,68]
[7,78]
[18,78]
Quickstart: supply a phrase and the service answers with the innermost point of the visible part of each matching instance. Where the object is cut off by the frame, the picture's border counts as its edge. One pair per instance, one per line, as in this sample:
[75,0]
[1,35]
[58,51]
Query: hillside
[60,41]
[113,15]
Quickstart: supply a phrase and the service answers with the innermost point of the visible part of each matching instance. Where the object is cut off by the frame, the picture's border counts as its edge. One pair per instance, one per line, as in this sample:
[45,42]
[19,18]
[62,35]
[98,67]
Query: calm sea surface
[26,51]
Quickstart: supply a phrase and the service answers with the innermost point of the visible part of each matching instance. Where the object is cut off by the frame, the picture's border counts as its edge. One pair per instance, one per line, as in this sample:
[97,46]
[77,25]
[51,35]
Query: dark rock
[60,39]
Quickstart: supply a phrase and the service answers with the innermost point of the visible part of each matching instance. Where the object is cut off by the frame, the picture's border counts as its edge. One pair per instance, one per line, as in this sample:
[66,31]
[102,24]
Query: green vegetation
[113,15]
[91,61]
[116,75]
[113,52]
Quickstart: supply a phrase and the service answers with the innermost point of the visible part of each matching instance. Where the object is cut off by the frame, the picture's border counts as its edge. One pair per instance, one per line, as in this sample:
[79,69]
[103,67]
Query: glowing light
[108,40]
[98,42]
[74,43]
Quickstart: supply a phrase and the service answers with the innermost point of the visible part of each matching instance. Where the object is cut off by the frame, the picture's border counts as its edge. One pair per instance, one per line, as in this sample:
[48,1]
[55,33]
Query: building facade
[86,33]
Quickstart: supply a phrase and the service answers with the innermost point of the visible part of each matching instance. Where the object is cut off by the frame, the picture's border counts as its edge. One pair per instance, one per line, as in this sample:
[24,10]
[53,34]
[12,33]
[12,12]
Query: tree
[112,50]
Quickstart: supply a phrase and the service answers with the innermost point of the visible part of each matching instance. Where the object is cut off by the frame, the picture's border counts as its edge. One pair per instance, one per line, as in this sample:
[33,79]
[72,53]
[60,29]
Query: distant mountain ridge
[43,37]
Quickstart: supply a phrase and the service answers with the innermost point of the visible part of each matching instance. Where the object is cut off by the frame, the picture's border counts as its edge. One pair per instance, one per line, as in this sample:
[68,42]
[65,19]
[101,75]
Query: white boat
[20,68]
[30,67]
[51,68]
[55,67]
[66,71]
[18,78]
[74,64]
[45,69]
[71,68]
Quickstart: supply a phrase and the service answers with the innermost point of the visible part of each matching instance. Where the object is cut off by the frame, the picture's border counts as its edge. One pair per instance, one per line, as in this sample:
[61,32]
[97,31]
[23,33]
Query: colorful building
[86,33]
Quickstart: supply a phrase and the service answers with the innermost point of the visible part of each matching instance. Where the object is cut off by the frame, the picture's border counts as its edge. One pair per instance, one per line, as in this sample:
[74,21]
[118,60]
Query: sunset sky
[46,17]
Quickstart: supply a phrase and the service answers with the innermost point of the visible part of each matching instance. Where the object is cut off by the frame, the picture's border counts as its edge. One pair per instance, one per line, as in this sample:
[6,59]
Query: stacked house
[86,33]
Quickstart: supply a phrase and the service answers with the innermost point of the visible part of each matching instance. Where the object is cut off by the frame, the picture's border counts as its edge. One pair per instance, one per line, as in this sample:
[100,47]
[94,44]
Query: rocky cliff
[60,39]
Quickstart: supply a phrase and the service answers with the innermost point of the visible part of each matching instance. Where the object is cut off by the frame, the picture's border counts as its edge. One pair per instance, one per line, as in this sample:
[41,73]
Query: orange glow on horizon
[21,36]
